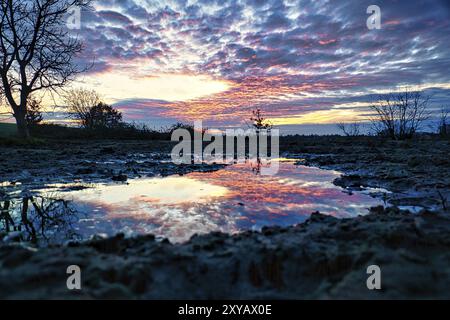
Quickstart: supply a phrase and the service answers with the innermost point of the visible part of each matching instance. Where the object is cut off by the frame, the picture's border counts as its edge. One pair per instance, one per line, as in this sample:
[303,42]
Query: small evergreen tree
[259,122]
[34,113]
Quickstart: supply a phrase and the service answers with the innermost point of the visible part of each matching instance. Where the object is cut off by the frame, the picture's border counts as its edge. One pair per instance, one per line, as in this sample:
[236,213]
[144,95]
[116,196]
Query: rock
[352,181]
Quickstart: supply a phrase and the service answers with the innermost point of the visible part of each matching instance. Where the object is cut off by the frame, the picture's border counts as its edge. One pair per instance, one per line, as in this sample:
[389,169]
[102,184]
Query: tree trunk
[22,127]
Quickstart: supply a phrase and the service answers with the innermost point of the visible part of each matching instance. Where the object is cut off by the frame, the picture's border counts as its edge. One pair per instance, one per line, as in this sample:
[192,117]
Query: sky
[303,62]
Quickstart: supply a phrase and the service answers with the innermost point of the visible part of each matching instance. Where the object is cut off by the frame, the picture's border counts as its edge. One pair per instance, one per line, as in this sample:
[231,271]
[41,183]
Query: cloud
[288,56]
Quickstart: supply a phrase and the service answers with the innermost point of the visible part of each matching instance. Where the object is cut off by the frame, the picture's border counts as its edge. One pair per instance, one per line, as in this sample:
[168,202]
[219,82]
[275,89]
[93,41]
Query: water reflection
[228,200]
[39,219]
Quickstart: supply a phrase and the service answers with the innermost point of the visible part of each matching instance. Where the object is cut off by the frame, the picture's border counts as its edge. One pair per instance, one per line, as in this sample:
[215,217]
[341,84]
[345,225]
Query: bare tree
[400,115]
[36,50]
[350,129]
[443,125]
[79,103]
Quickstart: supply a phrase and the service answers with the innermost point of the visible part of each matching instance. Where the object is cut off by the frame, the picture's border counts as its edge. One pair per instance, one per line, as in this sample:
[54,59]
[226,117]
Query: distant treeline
[124,131]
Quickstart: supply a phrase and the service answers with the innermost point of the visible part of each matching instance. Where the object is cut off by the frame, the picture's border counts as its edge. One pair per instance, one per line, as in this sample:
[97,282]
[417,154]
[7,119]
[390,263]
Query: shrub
[400,115]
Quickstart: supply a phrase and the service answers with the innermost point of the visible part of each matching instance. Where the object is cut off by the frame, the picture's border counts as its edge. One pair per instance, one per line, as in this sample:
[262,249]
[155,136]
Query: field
[7,129]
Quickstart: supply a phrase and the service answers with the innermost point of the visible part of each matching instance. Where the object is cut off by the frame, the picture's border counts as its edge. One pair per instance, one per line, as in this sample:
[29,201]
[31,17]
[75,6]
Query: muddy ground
[89,161]
[323,258]
[417,172]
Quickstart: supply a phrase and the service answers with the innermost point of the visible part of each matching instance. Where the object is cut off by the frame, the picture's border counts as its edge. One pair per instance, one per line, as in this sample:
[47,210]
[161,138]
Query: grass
[53,131]
[17,142]
[8,137]
[41,134]
[7,130]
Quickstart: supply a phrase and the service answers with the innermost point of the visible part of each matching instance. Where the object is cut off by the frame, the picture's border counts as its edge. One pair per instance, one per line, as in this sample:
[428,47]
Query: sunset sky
[300,61]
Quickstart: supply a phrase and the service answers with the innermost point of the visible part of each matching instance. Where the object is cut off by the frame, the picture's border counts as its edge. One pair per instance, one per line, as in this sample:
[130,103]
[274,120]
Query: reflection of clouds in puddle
[173,207]
[171,190]
[177,222]
[227,200]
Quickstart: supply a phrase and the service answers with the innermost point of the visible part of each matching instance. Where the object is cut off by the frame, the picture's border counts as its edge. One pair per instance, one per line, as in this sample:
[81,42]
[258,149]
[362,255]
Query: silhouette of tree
[103,116]
[259,122]
[400,115]
[444,126]
[79,103]
[34,113]
[36,51]
[350,129]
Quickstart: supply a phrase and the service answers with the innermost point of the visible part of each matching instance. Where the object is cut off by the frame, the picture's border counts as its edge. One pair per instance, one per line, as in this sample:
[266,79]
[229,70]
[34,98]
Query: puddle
[230,200]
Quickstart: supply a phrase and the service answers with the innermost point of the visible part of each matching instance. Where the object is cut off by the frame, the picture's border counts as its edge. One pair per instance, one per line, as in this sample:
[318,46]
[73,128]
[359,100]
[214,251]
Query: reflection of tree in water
[256,168]
[257,164]
[39,218]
